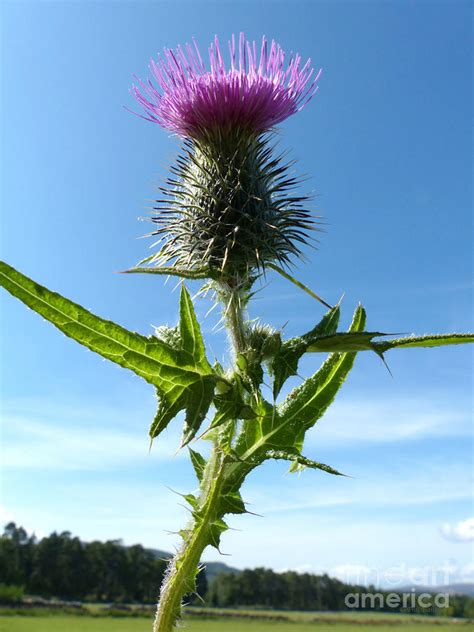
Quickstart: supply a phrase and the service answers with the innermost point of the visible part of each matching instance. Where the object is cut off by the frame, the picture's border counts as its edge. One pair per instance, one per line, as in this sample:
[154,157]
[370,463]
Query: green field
[93,624]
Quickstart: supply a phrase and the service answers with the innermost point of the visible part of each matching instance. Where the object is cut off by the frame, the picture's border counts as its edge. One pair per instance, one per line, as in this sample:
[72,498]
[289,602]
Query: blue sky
[386,143]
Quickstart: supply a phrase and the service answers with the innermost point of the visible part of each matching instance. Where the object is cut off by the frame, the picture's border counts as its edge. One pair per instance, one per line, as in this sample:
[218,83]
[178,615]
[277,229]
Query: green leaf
[288,277]
[184,379]
[309,401]
[278,427]
[192,391]
[363,341]
[433,340]
[285,363]
[216,529]
[199,463]
[342,342]
[231,406]
[300,462]
[232,503]
[170,271]
[191,499]
[144,356]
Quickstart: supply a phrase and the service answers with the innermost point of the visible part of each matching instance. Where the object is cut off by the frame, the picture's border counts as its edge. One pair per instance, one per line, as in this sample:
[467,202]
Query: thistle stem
[234,318]
[184,566]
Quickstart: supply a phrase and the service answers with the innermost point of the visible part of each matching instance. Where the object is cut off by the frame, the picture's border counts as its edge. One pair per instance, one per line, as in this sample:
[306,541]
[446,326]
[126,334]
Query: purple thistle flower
[254,94]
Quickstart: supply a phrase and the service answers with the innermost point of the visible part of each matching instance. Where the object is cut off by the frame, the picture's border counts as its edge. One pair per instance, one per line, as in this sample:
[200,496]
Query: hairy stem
[183,569]
[234,319]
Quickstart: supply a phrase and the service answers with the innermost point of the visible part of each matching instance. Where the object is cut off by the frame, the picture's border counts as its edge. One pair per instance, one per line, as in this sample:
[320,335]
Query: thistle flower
[229,209]
[254,94]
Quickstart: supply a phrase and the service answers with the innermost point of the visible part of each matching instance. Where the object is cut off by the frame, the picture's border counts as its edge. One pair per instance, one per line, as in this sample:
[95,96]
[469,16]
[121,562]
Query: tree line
[64,567]
[263,588]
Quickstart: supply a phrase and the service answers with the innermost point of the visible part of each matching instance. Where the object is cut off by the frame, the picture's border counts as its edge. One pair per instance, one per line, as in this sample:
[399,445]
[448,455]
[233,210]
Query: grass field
[91,624]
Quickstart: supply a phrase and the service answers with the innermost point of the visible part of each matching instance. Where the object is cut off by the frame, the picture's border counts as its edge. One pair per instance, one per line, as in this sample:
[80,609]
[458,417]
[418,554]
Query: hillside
[212,568]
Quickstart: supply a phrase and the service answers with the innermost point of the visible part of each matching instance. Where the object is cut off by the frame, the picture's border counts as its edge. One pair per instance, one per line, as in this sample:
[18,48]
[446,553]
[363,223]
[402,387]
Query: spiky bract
[230,208]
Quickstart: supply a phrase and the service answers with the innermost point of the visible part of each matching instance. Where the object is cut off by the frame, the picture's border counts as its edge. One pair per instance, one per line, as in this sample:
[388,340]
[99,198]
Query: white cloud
[403,574]
[369,548]
[462,531]
[389,421]
[80,439]
[414,485]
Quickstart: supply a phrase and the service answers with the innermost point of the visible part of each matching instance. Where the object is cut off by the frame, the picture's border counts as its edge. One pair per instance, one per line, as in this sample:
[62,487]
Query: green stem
[185,564]
[234,318]
[184,567]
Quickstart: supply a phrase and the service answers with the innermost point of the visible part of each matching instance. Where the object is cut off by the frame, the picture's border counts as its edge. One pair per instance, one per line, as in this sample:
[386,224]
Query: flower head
[230,209]
[255,93]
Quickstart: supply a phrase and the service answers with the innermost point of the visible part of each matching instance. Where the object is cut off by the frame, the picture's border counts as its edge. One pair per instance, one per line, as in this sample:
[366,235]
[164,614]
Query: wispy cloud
[79,438]
[418,484]
[76,436]
[390,420]
[462,531]
[403,574]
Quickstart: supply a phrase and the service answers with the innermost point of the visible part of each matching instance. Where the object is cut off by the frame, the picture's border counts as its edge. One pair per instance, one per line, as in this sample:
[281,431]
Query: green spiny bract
[264,340]
[230,209]
[169,335]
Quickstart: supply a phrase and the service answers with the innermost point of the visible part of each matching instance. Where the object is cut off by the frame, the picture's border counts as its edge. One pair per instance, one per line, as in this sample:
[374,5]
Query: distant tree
[60,565]
[16,551]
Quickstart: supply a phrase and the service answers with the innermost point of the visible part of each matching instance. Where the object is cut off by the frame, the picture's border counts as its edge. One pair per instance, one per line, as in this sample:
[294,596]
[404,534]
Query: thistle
[230,208]
[228,212]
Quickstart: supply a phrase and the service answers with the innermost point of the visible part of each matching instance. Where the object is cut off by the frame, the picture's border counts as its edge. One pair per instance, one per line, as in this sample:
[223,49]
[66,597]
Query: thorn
[180,282]
[203,433]
[174,491]
[252,513]
[381,356]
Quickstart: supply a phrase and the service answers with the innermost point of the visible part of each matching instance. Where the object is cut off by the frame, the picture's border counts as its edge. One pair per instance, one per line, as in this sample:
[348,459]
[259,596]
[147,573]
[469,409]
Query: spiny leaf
[300,462]
[197,403]
[295,281]
[190,330]
[193,396]
[184,379]
[363,341]
[191,499]
[199,463]
[285,363]
[231,406]
[232,503]
[281,426]
[342,342]
[433,340]
[308,402]
[216,529]
[170,271]
[250,445]
[148,358]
